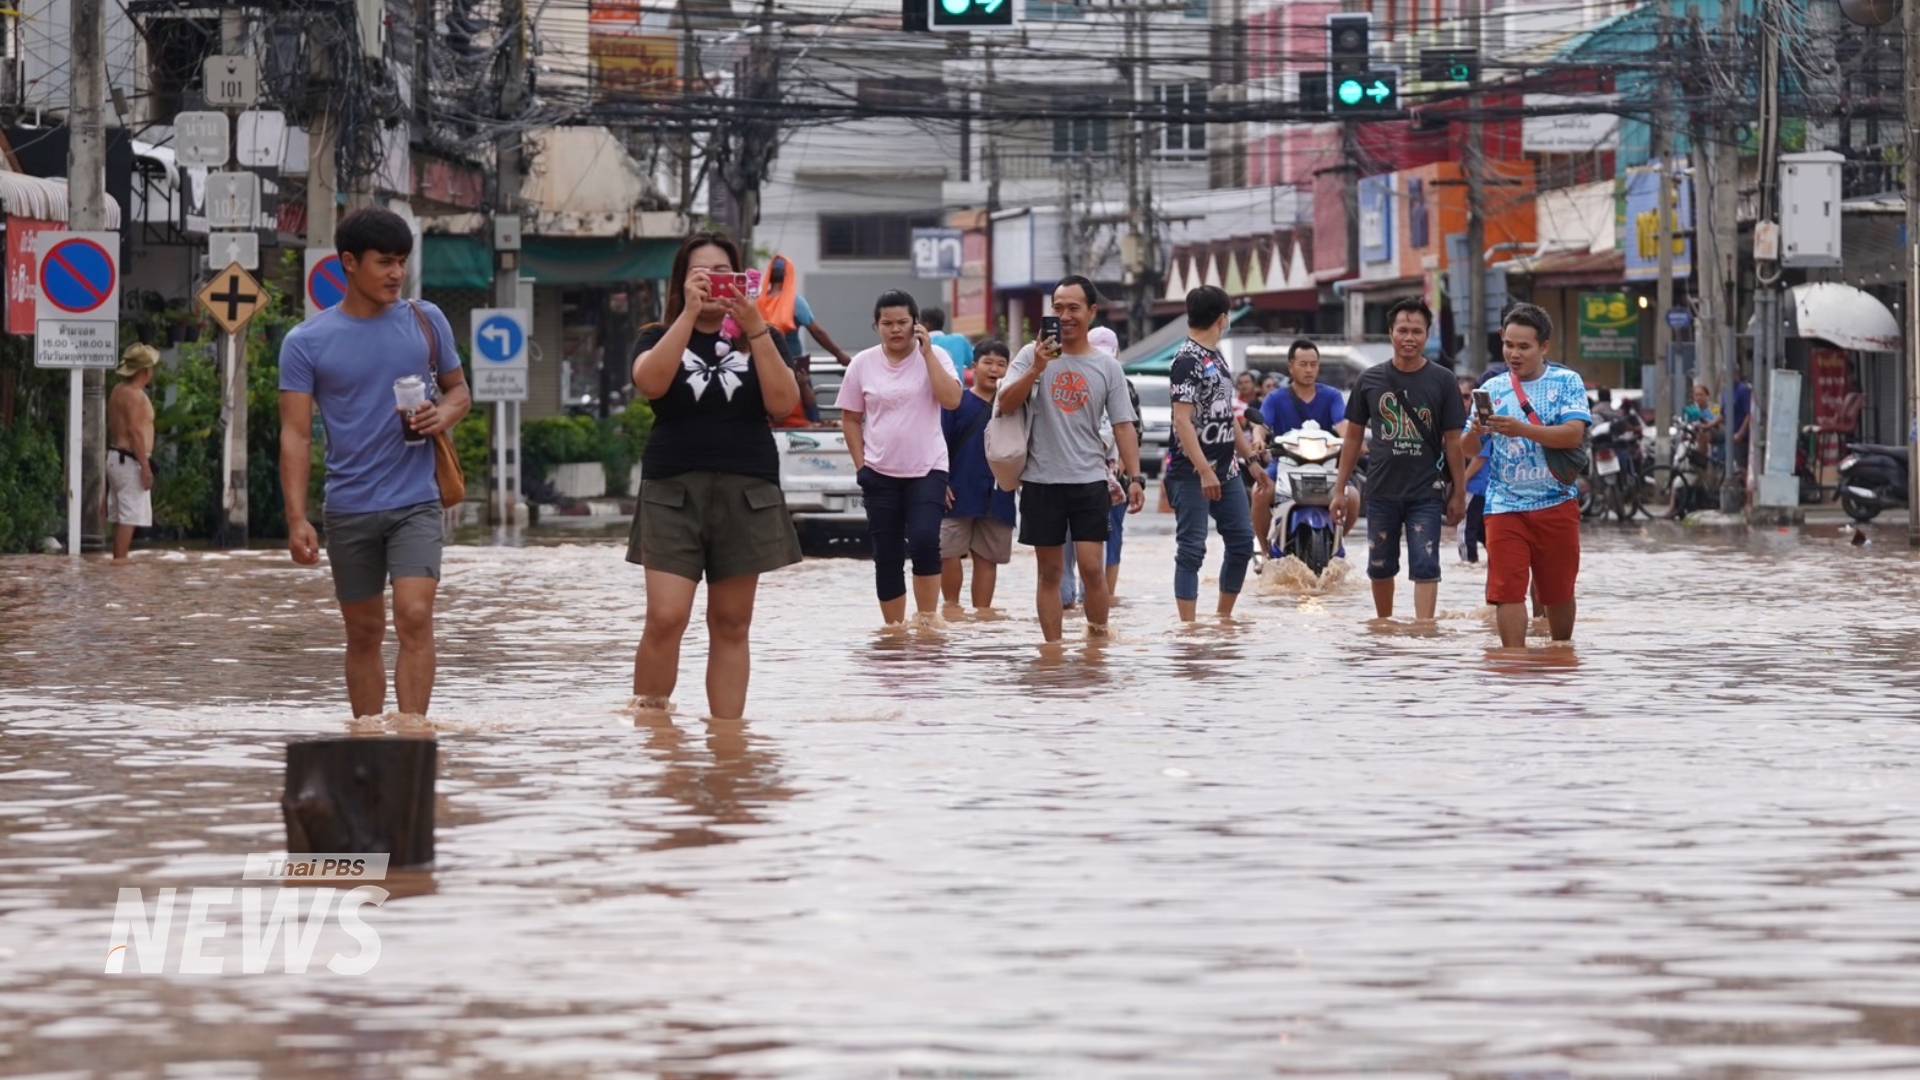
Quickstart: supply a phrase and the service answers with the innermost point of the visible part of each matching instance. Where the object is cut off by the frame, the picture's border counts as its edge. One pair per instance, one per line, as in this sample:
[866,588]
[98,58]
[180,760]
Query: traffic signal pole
[1476,162]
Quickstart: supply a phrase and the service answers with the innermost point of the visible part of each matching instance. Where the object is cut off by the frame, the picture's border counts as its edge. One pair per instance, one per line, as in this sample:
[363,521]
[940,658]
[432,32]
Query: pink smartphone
[729,286]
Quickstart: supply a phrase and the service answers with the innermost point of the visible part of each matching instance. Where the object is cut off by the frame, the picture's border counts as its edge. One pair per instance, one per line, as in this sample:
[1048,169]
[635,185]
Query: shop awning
[1848,317]
[455,262]
[465,262]
[43,197]
[1153,355]
[1560,269]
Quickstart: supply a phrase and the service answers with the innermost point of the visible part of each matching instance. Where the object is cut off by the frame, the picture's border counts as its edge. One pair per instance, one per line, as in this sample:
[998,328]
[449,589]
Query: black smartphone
[1483,403]
[1050,328]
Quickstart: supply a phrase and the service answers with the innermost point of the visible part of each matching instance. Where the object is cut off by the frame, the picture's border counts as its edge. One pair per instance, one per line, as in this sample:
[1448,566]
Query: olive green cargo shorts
[720,525]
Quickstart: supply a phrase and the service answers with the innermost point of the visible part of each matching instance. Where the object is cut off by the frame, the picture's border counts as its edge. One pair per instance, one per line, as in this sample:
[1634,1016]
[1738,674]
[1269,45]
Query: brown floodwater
[1298,844]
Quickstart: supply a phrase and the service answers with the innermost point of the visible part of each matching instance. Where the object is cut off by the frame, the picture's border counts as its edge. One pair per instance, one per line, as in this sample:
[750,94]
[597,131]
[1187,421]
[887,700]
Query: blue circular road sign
[327,285]
[77,276]
[500,339]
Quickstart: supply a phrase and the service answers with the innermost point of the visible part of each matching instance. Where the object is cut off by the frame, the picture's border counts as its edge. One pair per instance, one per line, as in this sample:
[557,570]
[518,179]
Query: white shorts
[128,502]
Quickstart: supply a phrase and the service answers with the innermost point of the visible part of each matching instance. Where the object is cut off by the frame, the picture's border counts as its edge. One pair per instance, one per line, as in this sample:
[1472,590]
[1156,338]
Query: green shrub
[623,439]
[32,486]
[473,443]
[559,440]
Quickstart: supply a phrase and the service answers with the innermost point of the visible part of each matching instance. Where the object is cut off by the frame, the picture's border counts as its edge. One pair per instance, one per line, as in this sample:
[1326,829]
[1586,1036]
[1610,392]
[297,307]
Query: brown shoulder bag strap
[433,348]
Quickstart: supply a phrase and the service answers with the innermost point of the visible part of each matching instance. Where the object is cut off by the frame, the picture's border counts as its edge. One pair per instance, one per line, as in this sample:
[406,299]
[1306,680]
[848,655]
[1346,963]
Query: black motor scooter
[1873,478]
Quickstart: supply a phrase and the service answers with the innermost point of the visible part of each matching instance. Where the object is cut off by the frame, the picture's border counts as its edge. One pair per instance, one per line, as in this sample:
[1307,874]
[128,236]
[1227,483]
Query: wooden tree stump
[362,795]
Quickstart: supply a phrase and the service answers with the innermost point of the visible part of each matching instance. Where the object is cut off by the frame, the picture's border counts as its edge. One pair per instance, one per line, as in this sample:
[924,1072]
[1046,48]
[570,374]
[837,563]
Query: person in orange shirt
[784,309]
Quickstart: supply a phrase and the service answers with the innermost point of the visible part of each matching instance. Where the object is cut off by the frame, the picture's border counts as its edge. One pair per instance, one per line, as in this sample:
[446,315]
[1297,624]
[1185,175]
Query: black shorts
[1047,511]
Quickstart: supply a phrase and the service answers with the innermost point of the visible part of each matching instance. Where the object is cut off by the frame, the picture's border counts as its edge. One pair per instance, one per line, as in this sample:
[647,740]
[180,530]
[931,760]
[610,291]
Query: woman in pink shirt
[890,402]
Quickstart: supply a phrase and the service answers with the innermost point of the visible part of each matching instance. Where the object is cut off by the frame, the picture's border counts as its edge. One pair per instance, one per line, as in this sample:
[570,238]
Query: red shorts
[1541,544]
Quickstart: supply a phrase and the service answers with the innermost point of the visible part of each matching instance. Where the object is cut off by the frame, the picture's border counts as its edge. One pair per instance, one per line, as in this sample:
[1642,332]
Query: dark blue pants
[903,517]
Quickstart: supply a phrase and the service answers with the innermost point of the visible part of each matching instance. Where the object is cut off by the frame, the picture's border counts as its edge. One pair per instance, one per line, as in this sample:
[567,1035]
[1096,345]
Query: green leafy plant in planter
[623,440]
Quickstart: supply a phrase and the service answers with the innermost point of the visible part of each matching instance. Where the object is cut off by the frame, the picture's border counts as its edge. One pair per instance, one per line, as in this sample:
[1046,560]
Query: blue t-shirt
[974,492]
[791,344]
[1477,483]
[1519,480]
[1283,411]
[348,366]
[957,346]
[1742,403]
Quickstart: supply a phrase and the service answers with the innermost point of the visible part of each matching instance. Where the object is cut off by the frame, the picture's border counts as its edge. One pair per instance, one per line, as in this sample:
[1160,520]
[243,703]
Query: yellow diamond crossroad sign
[233,298]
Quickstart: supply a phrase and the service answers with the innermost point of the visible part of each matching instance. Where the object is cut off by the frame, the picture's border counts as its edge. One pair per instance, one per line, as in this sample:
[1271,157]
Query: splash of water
[1288,576]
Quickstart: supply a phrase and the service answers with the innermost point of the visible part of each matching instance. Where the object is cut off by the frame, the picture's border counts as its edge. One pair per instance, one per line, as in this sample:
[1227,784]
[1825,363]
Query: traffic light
[970,14]
[1347,45]
[1374,91]
[1449,66]
[1313,91]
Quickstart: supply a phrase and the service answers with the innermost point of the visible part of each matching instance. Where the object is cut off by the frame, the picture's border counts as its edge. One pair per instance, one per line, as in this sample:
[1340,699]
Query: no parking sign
[77,314]
[326,280]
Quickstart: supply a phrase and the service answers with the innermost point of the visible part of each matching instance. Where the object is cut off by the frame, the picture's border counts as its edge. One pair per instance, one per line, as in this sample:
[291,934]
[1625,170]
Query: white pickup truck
[816,471]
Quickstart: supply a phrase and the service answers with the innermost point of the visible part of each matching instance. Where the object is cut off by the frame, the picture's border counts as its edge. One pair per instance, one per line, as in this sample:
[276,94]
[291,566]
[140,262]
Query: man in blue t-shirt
[979,519]
[382,510]
[957,345]
[1291,406]
[1533,517]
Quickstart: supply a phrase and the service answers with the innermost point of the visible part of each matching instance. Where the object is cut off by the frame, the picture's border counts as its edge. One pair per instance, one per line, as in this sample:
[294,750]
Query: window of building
[1177,139]
[871,236]
[1076,136]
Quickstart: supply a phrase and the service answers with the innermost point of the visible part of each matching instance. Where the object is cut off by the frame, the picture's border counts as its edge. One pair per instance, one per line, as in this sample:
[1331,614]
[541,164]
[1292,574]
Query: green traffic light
[956,7]
[1460,73]
[1350,92]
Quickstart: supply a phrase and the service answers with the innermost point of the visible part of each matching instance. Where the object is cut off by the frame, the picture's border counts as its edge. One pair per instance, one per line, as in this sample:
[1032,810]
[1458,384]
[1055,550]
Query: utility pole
[509,169]
[87,212]
[991,148]
[1476,160]
[1734,494]
[1910,26]
[1661,135]
[755,138]
[1138,244]
[232,351]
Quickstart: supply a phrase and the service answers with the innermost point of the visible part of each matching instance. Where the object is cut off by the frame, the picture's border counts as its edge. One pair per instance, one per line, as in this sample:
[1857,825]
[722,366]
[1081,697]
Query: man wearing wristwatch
[1068,388]
[1203,471]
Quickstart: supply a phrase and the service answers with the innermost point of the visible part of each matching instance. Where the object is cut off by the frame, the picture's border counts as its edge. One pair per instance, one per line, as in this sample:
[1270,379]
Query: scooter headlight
[1847,463]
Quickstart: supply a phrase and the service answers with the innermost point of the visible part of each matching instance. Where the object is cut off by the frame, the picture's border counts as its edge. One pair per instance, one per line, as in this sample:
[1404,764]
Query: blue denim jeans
[903,518]
[1232,515]
[1070,591]
[1421,519]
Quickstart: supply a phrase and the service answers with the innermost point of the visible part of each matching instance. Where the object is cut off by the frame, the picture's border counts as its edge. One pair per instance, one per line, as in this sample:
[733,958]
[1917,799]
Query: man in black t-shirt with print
[1412,410]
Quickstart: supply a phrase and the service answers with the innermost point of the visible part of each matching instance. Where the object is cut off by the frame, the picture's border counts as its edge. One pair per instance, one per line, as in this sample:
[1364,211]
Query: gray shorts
[367,550]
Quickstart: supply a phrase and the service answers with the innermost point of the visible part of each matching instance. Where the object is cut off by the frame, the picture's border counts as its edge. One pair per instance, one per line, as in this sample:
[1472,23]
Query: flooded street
[1301,843]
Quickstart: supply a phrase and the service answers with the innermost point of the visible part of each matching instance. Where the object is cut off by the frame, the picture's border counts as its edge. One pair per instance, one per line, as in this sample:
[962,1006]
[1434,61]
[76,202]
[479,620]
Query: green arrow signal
[1350,92]
[991,6]
[1379,92]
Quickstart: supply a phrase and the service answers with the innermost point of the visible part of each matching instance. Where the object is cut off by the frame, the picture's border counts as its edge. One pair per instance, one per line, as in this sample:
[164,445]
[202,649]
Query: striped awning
[43,197]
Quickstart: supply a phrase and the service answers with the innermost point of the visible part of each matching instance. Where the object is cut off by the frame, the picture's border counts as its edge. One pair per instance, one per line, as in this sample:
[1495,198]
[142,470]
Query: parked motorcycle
[1303,493]
[1873,478]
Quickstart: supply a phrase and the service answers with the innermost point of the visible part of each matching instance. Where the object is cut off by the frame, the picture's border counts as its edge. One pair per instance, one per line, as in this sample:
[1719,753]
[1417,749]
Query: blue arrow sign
[327,285]
[77,276]
[500,340]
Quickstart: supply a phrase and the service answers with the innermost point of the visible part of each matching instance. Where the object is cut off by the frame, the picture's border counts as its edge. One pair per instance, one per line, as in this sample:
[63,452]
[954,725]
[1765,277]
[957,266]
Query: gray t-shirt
[1068,403]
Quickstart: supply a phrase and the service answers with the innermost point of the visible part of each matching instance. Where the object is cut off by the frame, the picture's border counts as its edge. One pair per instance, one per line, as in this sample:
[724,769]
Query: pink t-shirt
[901,425]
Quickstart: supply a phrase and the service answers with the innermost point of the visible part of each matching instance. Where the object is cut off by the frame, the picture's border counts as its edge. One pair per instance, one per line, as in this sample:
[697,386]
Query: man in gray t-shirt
[1069,388]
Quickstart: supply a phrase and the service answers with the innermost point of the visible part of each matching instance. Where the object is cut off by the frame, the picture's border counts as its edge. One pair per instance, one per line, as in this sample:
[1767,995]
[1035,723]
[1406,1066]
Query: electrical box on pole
[962,15]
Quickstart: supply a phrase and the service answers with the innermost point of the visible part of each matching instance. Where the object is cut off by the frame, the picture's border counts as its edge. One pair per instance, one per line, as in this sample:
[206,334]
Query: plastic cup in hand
[410,395]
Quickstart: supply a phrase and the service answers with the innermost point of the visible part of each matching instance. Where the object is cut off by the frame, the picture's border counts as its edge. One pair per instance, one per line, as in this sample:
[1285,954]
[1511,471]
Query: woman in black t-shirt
[710,501]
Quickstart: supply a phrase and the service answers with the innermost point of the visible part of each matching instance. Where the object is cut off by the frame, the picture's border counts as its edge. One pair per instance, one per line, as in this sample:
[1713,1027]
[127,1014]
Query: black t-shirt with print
[1402,460]
[713,418]
[1199,378]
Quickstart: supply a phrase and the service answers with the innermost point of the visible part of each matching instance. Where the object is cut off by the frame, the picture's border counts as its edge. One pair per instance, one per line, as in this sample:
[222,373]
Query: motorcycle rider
[1290,407]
